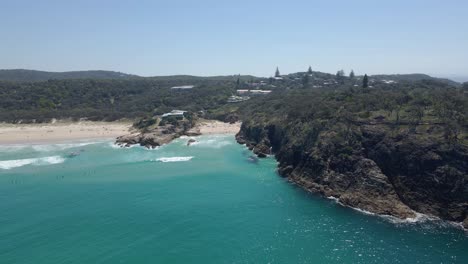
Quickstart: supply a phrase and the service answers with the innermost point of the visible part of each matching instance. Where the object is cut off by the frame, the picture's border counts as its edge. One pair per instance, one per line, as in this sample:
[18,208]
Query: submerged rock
[191,141]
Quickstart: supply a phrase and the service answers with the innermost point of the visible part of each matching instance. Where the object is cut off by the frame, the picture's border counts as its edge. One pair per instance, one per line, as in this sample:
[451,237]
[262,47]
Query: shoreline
[60,132]
[64,132]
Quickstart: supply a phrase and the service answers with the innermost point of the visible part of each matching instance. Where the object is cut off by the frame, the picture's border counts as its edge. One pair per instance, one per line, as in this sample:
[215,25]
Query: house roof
[183,87]
[174,113]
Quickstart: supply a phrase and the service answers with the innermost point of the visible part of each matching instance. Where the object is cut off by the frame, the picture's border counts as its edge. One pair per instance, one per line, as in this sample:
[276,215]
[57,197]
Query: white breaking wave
[419,217]
[45,147]
[55,147]
[174,159]
[216,142]
[10,164]
[117,146]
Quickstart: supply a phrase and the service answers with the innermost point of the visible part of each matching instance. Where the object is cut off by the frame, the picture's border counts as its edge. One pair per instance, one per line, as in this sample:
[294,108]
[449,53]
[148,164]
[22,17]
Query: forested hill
[412,78]
[21,75]
[101,95]
[107,99]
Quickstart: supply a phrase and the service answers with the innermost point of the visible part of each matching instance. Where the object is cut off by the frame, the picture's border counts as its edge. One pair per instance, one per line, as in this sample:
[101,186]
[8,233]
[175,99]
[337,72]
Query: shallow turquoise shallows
[205,203]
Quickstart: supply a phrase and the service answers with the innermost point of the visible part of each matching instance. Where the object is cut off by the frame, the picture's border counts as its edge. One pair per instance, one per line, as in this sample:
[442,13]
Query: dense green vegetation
[109,99]
[415,107]
[412,78]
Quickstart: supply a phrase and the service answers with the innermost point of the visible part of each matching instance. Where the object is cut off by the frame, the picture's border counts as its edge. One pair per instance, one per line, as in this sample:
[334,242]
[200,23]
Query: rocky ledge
[372,169]
[158,136]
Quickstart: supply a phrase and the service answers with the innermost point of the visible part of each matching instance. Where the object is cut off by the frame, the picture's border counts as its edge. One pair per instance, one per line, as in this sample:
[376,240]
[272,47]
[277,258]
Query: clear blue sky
[216,37]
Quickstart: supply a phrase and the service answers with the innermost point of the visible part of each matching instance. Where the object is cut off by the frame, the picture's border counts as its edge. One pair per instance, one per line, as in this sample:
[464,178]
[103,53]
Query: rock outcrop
[370,168]
[157,136]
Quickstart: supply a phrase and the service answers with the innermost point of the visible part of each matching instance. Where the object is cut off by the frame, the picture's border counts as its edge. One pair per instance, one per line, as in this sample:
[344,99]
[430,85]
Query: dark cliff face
[428,175]
[368,167]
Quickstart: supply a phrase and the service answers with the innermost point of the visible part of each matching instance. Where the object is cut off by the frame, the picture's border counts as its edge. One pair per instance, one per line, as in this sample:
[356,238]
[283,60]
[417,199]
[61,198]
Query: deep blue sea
[205,203]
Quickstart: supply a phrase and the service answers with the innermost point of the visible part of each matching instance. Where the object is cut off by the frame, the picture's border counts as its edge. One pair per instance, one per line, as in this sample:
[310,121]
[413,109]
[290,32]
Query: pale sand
[69,131]
[210,127]
[61,131]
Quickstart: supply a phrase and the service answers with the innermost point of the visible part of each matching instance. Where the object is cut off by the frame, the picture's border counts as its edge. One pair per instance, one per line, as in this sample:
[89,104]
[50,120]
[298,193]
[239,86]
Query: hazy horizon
[157,38]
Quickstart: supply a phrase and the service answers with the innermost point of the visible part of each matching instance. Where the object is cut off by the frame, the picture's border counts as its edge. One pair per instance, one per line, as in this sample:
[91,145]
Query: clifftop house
[182,87]
[176,113]
[253,92]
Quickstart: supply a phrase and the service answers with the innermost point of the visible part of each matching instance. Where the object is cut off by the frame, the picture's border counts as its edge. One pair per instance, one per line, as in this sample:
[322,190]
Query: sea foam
[10,164]
[419,217]
[62,146]
[212,142]
[174,159]
[44,147]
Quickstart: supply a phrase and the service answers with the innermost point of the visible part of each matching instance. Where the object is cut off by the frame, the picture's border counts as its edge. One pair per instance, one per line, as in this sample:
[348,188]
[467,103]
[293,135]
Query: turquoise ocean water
[207,203]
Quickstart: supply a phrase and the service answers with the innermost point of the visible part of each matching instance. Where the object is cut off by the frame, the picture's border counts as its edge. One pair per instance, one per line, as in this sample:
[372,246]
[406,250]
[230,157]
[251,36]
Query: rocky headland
[370,167]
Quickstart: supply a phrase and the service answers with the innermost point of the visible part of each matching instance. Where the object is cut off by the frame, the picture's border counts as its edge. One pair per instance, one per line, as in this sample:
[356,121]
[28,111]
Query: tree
[277,73]
[351,74]
[238,82]
[340,73]
[305,80]
[340,76]
[365,81]
[309,71]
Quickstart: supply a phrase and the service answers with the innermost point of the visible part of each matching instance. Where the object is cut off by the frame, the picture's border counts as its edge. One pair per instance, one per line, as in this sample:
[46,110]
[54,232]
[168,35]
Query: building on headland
[237,99]
[259,92]
[183,87]
[253,92]
[174,113]
[241,92]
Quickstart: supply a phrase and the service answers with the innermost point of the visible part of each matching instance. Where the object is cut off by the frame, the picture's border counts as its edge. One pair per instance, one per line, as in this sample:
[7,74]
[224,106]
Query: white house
[183,87]
[236,99]
[177,113]
[259,92]
[242,91]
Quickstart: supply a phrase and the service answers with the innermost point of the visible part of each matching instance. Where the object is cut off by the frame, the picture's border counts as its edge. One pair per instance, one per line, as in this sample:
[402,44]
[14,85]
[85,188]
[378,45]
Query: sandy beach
[210,127]
[68,131]
[58,132]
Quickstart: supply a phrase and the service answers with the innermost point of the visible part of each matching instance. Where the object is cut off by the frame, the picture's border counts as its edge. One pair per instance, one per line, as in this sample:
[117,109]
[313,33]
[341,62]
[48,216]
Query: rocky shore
[373,169]
[157,136]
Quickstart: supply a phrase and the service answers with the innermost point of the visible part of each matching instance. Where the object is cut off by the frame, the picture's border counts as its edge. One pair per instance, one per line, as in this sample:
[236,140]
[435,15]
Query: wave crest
[10,164]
